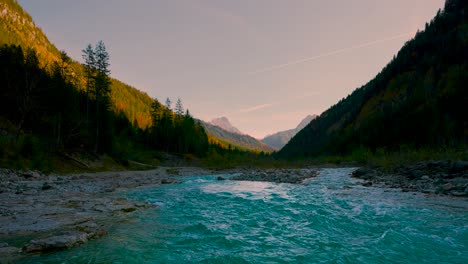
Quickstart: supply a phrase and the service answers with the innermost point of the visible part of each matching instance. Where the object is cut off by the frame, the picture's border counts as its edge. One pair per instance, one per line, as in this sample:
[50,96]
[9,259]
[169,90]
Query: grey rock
[367,184]
[57,242]
[46,186]
[459,166]
[166,181]
[9,250]
[31,174]
[447,187]
[361,172]
[460,194]
[415,174]
[425,178]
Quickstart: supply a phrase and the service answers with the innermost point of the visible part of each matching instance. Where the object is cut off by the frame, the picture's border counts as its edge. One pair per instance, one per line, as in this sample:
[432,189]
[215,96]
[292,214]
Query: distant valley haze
[265,65]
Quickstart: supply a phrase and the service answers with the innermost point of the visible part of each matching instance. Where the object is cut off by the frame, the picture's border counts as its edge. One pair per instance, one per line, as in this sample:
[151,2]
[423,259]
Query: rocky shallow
[430,177]
[295,176]
[40,213]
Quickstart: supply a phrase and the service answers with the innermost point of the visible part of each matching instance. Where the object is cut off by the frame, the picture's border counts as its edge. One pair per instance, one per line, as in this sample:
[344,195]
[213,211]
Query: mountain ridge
[235,140]
[281,138]
[224,123]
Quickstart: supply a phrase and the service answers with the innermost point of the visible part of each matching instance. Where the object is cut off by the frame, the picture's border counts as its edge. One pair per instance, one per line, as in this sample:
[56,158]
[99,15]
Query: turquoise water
[207,221]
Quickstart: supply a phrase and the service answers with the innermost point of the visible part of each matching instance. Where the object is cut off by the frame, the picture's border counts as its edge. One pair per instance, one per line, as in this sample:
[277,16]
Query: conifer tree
[102,85]
[90,70]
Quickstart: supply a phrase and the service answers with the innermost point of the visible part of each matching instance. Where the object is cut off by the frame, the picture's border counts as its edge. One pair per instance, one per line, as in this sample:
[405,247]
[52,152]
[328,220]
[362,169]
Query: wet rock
[456,193]
[31,174]
[346,187]
[425,178]
[6,249]
[128,209]
[46,186]
[166,181]
[57,242]
[459,166]
[447,187]
[414,174]
[361,172]
[220,178]
[294,176]
[367,184]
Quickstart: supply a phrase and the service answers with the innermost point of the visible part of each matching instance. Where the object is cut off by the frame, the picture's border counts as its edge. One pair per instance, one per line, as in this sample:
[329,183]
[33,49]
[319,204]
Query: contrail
[255,108]
[276,67]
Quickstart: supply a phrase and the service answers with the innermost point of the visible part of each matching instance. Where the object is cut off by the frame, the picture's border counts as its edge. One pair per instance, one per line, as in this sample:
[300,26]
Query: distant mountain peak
[279,139]
[223,122]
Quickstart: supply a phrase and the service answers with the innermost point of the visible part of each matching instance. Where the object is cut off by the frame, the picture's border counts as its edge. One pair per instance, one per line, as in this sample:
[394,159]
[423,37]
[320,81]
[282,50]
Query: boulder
[220,178]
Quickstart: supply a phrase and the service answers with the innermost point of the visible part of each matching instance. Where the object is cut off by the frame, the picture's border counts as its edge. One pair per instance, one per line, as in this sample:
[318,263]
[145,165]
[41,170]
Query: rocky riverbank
[430,177]
[40,213]
[295,176]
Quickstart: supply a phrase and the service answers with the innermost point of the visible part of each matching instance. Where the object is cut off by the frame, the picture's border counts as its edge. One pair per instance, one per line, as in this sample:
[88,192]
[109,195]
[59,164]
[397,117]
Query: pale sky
[264,64]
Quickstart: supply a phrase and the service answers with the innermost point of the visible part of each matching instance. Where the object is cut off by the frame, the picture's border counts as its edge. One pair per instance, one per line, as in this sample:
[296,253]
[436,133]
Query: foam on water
[207,221]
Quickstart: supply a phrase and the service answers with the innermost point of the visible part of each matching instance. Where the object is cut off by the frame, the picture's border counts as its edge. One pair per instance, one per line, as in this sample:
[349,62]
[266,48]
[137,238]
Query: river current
[329,219]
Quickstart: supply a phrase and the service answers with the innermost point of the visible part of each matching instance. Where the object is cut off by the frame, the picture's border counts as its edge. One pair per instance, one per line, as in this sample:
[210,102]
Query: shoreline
[42,213]
[445,178]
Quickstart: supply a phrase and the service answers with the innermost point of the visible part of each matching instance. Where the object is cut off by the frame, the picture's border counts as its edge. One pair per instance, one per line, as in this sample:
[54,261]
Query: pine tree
[168,104]
[102,85]
[179,108]
[90,70]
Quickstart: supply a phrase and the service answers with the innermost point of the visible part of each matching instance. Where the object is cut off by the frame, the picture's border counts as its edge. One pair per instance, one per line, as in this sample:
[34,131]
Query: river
[329,219]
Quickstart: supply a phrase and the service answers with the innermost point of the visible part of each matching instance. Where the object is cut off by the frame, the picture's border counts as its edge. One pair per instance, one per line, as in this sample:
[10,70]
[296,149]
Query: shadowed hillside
[418,100]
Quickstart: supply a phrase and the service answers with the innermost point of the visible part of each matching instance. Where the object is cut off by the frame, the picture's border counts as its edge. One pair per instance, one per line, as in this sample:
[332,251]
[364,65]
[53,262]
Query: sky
[264,64]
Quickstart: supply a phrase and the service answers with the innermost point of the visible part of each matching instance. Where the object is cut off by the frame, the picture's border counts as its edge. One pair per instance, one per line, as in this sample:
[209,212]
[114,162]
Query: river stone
[447,187]
[220,178]
[425,178]
[459,166]
[46,186]
[9,250]
[166,181]
[367,184]
[31,174]
[57,242]
[360,172]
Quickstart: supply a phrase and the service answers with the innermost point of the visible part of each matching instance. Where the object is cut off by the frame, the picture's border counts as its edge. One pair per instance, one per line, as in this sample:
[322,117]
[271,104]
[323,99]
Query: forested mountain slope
[18,28]
[418,100]
[233,140]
